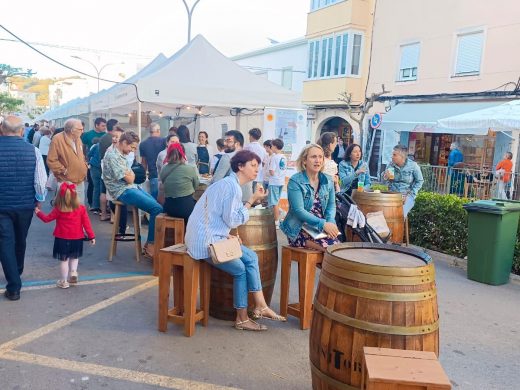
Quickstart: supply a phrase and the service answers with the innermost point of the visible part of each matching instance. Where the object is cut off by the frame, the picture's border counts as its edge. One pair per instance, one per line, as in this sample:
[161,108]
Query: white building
[66,90]
[283,63]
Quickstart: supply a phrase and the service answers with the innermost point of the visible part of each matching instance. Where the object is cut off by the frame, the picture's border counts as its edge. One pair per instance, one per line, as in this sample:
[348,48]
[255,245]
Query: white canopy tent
[503,117]
[201,77]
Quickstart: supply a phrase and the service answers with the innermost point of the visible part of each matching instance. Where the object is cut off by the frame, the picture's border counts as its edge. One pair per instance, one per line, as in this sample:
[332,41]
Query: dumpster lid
[492,206]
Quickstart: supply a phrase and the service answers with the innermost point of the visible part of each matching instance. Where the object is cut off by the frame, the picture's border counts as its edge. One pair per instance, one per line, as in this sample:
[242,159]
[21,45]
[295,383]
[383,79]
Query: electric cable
[67,66]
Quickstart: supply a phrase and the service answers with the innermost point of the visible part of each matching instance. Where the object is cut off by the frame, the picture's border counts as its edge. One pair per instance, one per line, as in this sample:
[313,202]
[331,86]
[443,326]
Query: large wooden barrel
[258,234]
[390,203]
[373,295]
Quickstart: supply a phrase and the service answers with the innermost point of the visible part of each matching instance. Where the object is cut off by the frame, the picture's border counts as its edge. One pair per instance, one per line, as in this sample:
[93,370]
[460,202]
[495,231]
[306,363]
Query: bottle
[361,182]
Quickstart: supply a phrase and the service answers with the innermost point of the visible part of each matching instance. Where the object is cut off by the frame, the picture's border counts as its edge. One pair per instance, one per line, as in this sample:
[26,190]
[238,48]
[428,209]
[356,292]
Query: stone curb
[457,261]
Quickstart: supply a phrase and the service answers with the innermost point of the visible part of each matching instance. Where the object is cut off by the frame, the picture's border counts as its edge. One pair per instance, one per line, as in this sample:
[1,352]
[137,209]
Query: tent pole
[139,107]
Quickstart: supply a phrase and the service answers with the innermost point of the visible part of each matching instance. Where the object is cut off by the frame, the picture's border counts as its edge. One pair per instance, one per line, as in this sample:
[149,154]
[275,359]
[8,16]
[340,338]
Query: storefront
[415,125]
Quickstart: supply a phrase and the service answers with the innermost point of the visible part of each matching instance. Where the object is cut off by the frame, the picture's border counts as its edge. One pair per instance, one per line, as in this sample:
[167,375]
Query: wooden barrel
[258,234]
[373,295]
[390,203]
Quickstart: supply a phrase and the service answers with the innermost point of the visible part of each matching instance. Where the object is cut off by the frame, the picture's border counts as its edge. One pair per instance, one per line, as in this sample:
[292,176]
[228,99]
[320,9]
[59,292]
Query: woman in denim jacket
[351,168]
[312,201]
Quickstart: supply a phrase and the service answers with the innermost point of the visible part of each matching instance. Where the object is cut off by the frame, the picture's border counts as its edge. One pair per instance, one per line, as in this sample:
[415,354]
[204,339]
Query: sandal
[257,314]
[255,328]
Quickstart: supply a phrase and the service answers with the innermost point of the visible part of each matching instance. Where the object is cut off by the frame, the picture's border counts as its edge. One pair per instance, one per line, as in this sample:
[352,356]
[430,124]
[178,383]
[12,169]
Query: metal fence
[469,182]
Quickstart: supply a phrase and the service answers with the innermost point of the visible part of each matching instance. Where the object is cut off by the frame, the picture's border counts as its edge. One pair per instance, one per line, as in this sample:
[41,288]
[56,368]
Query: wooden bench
[186,275]
[307,260]
[397,369]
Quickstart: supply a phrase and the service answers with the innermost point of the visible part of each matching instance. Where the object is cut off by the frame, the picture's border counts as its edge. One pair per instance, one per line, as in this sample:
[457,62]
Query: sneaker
[62,284]
[73,277]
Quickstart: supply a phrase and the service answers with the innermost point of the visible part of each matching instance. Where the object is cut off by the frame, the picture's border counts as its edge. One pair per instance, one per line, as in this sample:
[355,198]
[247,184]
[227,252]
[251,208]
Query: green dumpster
[492,227]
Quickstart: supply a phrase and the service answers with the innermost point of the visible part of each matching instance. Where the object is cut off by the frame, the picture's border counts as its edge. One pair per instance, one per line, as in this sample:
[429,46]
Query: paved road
[102,333]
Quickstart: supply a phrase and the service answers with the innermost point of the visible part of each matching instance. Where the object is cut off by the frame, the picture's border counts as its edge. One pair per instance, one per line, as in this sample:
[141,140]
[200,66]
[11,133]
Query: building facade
[339,39]
[441,59]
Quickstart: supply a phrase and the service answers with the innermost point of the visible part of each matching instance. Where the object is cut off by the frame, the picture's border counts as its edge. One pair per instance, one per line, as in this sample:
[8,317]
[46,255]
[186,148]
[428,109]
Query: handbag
[139,171]
[224,250]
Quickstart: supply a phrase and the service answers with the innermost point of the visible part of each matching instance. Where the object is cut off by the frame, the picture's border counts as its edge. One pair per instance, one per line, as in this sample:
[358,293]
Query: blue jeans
[246,276]
[95,174]
[408,205]
[144,201]
[14,226]
[154,187]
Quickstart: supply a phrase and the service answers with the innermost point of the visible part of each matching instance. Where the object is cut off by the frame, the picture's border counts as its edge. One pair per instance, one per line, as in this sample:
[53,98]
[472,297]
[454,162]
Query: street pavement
[102,333]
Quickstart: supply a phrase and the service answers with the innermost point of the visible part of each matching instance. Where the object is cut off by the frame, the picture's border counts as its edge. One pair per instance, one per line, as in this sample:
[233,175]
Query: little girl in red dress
[72,222]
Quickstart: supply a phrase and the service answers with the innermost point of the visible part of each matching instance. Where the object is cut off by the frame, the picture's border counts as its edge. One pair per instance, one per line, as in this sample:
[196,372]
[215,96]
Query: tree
[357,114]
[9,104]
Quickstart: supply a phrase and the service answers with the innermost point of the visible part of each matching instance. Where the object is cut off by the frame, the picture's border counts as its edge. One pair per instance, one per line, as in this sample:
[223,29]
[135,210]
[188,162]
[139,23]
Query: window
[287,77]
[329,56]
[409,62]
[356,55]
[469,53]
[317,4]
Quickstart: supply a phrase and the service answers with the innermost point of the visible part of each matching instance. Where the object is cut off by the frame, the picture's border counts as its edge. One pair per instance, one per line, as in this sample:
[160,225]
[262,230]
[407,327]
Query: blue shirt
[300,194]
[94,158]
[218,211]
[408,179]
[348,173]
[455,157]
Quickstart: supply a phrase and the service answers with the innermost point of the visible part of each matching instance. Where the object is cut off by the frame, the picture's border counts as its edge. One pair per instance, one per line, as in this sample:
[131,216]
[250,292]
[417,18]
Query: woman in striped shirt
[218,211]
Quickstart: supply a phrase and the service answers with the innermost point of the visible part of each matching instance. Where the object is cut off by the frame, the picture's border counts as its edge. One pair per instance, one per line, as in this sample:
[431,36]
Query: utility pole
[190,13]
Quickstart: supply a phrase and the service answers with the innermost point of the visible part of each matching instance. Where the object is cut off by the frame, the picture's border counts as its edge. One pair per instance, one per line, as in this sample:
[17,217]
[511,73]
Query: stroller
[365,234]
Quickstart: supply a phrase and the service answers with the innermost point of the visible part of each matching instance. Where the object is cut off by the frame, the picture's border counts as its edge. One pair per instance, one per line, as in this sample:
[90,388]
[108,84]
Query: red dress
[69,232]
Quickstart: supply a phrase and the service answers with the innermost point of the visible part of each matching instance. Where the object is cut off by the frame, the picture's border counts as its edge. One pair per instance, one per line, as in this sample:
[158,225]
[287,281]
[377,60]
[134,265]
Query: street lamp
[190,13]
[98,71]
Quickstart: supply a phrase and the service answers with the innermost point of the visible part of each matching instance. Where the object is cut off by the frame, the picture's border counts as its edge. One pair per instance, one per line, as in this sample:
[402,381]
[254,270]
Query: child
[265,163]
[277,168]
[71,222]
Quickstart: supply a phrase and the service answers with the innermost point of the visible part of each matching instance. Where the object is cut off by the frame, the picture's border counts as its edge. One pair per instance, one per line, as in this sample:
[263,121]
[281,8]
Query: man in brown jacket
[66,158]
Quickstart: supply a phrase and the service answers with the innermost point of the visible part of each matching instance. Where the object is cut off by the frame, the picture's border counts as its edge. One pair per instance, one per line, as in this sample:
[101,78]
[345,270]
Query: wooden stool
[397,369]
[406,232]
[307,261]
[186,274]
[162,223]
[136,236]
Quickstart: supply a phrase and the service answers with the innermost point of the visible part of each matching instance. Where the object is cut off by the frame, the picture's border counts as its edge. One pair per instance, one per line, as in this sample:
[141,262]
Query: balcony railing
[469,182]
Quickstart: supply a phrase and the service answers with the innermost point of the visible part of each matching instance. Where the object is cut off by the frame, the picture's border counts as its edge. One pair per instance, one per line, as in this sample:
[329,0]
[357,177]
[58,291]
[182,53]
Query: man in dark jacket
[22,178]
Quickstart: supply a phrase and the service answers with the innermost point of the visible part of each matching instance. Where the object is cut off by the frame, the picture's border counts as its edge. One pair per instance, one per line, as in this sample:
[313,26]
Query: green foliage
[439,222]
[380,187]
[9,104]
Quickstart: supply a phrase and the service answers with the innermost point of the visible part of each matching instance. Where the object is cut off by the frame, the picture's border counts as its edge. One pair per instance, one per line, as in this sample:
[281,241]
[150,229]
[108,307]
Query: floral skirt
[299,241]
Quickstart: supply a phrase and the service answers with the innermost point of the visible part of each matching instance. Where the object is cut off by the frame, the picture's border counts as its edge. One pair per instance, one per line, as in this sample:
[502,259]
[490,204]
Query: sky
[100,30]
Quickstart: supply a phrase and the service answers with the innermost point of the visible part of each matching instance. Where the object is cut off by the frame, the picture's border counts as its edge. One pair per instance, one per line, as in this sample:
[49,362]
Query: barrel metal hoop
[379,269]
[377,295]
[378,279]
[373,327]
[331,381]
[263,247]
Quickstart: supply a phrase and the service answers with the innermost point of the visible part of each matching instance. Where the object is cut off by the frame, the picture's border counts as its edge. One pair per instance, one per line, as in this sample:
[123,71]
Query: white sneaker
[62,284]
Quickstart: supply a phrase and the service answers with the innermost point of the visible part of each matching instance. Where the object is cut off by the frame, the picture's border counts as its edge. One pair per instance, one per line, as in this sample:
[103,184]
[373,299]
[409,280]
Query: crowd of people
[241,177]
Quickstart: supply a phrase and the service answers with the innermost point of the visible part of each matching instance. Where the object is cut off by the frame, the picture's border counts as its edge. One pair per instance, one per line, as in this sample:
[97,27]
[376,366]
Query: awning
[423,117]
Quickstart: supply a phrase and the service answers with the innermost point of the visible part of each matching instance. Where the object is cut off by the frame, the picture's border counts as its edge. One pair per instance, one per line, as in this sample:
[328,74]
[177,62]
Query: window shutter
[469,53]
[409,56]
